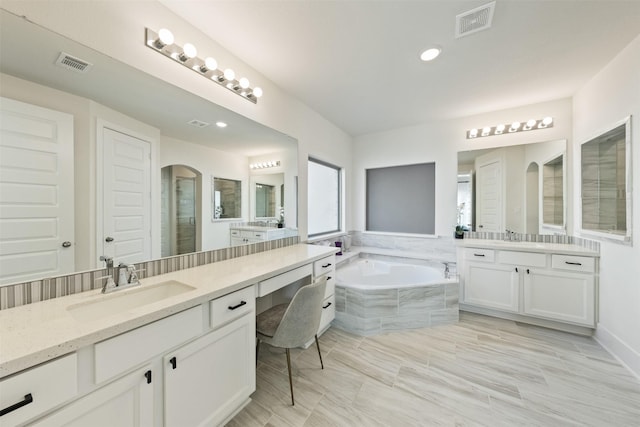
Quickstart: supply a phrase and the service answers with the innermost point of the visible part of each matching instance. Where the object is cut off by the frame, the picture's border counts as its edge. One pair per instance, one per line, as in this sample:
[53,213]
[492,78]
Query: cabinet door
[564,296]
[208,379]
[127,402]
[492,285]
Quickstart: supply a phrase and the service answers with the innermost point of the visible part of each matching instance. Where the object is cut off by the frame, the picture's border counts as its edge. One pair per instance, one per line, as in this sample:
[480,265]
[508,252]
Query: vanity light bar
[187,55]
[265,165]
[514,127]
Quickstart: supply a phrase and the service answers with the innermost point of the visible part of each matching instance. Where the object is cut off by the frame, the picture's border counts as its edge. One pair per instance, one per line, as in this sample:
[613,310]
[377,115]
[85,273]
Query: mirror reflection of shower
[179,209]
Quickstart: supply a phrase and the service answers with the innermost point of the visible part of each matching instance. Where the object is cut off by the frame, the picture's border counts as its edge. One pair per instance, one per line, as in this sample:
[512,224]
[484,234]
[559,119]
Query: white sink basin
[126,299]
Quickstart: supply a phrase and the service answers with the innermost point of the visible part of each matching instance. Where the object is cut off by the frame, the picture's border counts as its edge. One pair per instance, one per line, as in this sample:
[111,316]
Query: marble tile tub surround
[368,312]
[19,294]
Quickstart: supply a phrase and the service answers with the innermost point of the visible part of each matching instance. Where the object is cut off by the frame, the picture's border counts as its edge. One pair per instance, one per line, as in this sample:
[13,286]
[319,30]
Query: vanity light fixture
[531,124]
[265,165]
[163,42]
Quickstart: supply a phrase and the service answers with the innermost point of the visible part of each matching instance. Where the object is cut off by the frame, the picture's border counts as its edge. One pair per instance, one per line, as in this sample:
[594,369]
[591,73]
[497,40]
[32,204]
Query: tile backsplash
[19,294]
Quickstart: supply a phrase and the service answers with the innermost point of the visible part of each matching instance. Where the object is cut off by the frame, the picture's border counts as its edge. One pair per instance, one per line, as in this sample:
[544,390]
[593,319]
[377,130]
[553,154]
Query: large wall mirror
[520,188]
[164,158]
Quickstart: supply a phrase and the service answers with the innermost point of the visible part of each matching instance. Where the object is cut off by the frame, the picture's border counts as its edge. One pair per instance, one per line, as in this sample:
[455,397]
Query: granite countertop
[556,248]
[35,333]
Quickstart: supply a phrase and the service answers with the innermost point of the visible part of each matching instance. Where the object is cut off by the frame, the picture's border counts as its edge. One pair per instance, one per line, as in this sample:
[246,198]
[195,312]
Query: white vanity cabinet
[247,235]
[327,267]
[549,286]
[127,401]
[564,292]
[30,393]
[207,380]
[489,284]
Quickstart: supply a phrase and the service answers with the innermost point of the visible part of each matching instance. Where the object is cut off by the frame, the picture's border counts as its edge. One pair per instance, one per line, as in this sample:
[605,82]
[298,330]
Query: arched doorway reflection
[180,222]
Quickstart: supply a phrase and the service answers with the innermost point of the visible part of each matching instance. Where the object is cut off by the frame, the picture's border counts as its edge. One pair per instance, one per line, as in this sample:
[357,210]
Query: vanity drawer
[531,259]
[39,389]
[280,281]
[324,265]
[232,306]
[328,312]
[119,354]
[331,286]
[482,255]
[573,263]
[255,235]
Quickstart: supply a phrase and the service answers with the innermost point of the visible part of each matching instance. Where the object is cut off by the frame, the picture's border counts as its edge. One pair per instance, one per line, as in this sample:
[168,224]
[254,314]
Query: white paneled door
[126,216]
[36,192]
[489,196]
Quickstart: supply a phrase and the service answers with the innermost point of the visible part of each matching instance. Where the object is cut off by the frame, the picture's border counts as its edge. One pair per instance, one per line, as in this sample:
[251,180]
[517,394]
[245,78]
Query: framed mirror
[115,93]
[503,188]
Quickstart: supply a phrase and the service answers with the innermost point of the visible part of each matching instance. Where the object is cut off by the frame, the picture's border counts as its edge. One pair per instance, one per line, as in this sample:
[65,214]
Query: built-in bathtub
[379,293]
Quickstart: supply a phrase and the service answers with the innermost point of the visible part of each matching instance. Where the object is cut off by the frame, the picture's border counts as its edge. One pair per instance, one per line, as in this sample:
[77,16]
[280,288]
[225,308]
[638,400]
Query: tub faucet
[447,273]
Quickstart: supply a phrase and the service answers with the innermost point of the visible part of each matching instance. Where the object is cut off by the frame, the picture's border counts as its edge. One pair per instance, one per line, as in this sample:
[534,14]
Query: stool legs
[319,354]
[290,380]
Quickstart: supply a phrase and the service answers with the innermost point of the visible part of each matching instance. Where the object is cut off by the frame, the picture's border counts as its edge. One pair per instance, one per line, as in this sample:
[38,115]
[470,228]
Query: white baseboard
[627,356]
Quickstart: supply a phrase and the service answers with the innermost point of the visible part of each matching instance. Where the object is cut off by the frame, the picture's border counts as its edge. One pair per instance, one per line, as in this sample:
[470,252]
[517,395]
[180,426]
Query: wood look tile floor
[482,371]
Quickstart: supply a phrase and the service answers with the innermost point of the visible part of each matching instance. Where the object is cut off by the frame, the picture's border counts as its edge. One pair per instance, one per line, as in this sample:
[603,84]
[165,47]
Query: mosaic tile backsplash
[53,287]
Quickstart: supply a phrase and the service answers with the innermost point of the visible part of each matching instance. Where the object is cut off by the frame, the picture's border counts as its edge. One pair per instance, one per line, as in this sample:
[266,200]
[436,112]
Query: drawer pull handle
[326,265]
[27,399]
[527,271]
[573,263]
[326,306]
[478,255]
[174,362]
[233,307]
[328,278]
[147,375]
[516,269]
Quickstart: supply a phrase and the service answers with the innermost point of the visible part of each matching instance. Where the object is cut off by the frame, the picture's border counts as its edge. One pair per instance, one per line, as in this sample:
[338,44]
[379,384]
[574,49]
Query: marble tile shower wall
[53,287]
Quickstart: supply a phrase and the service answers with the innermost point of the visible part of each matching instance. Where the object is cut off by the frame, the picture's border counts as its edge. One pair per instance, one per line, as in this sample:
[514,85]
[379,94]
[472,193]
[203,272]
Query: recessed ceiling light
[430,54]
[221,124]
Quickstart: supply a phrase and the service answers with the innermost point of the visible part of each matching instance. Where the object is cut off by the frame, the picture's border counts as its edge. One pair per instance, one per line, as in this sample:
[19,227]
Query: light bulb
[514,126]
[165,37]
[499,129]
[210,64]
[531,123]
[257,92]
[546,122]
[473,133]
[244,82]
[486,131]
[430,54]
[229,74]
[188,51]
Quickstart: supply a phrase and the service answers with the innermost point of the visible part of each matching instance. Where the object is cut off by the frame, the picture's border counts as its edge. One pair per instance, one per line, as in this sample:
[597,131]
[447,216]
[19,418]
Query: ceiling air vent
[72,63]
[475,20]
[198,123]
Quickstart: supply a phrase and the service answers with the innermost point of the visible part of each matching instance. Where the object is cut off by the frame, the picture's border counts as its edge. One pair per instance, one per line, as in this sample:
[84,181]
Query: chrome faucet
[447,273]
[127,276]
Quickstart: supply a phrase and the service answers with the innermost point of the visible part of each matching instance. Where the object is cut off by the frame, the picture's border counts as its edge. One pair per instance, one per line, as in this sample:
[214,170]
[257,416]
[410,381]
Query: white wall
[611,95]
[116,28]
[440,142]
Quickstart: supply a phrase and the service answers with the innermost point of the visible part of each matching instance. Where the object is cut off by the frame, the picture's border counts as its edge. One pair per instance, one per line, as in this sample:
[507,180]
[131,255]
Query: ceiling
[356,62]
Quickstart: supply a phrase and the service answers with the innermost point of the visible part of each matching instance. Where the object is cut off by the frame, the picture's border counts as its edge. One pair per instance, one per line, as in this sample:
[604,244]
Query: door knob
[66,244]
[109,239]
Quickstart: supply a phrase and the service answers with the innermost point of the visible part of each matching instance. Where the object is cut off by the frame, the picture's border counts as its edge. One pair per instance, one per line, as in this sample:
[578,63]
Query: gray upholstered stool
[294,324]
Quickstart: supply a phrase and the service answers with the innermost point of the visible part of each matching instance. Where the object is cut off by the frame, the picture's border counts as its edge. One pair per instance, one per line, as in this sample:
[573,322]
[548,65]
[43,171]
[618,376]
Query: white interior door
[36,192]
[489,196]
[126,197]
